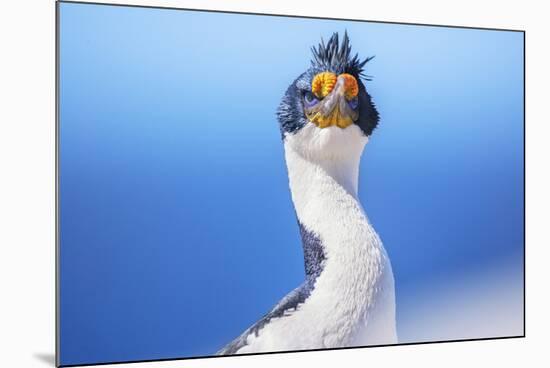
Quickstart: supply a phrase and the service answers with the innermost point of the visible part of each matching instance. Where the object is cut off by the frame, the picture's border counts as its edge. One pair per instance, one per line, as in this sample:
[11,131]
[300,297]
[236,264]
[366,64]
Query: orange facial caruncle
[333,106]
[323,83]
[351,87]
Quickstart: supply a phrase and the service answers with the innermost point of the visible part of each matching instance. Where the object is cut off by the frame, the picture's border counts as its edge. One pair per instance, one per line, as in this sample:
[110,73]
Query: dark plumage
[336,58]
[333,57]
[314,257]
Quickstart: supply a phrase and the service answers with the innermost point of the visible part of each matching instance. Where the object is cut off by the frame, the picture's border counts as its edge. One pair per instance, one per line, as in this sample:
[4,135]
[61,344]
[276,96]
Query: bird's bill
[334,109]
[334,118]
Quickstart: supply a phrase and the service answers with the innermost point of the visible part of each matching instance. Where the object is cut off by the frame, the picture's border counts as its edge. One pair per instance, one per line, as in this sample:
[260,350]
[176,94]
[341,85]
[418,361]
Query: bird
[326,118]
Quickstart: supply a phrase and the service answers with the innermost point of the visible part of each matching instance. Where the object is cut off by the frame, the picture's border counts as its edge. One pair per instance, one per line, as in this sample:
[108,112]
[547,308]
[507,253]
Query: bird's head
[327,111]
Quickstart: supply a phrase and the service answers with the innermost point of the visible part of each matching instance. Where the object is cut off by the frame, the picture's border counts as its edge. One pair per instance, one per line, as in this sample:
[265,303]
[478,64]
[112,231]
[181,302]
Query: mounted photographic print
[233,183]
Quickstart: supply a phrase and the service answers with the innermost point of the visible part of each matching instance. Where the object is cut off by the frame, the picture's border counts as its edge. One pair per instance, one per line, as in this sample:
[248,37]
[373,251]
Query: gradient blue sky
[177,227]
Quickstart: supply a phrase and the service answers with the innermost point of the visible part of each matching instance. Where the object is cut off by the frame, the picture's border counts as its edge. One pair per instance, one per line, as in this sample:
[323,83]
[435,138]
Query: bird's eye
[310,99]
[353,103]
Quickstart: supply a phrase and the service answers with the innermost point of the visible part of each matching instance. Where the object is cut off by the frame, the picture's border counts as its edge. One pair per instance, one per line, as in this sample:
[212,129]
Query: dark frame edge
[524,184]
[56,154]
[297,351]
[287,15]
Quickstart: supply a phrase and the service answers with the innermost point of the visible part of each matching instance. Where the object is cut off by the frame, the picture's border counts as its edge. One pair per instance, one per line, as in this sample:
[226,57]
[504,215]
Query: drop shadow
[47,358]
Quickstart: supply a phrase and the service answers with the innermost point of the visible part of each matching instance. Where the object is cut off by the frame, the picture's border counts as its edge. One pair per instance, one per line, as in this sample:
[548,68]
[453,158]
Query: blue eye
[310,100]
[353,103]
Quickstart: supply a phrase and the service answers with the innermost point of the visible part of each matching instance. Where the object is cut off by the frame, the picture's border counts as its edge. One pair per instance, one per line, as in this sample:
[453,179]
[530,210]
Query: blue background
[177,229]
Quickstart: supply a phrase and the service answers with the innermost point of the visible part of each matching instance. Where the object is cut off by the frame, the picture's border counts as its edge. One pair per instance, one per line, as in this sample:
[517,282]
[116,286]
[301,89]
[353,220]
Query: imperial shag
[347,299]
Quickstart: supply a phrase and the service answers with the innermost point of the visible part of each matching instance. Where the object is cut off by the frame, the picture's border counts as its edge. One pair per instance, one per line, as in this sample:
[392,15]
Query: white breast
[353,302]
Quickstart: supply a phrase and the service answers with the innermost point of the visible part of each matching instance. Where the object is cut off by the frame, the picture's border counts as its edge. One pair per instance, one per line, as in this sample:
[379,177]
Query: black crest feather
[336,57]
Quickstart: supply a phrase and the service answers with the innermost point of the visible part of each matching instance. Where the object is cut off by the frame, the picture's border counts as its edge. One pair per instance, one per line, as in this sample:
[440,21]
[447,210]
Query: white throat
[351,302]
[330,151]
[355,289]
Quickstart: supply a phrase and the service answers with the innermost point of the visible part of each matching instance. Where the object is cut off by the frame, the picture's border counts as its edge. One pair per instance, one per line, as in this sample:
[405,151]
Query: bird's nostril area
[340,87]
